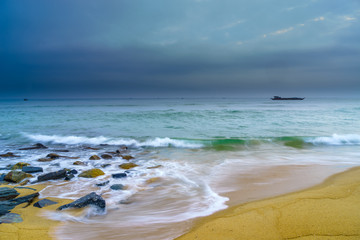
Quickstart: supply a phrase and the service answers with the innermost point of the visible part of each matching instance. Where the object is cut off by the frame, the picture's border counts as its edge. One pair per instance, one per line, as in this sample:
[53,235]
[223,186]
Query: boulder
[35,146]
[53,156]
[16,176]
[119,175]
[92,173]
[106,156]
[29,169]
[43,203]
[117,187]
[19,165]
[128,165]
[127,157]
[90,199]
[94,157]
[6,206]
[7,193]
[52,175]
[8,154]
[79,163]
[45,159]
[69,177]
[73,171]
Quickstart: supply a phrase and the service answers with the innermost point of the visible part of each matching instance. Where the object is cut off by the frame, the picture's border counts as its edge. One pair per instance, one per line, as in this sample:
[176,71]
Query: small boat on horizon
[291,98]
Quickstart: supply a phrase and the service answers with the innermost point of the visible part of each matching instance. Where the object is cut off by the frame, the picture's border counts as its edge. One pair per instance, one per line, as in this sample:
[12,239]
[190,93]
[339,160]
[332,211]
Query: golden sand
[34,225]
[330,210]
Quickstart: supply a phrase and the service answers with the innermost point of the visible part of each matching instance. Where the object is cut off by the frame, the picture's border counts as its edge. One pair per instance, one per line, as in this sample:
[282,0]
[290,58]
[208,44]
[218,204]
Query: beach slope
[327,211]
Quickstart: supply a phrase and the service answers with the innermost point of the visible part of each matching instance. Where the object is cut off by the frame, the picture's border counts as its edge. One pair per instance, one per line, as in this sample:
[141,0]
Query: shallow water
[193,155]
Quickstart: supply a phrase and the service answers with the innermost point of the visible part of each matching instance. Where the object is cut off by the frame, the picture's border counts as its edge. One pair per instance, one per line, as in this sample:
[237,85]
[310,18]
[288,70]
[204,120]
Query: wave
[335,139]
[74,140]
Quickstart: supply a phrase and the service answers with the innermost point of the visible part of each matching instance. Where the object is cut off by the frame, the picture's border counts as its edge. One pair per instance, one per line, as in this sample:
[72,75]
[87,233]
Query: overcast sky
[179,48]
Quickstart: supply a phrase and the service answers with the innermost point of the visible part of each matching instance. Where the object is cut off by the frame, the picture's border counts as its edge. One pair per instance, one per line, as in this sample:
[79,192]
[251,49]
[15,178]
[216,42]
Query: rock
[53,156]
[43,203]
[45,159]
[91,148]
[79,163]
[2,176]
[6,206]
[152,180]
[69,177]
[119,175]
[102,184]
[92,173]
[105,165]
[35,146]
[16,176]
[7,193]
[19,165]
[128,165]
[157,166]
[23,183]
[73,171]
[90,199]
[28,169]
[125,201]
[127,157]
[106,156]
[94,157]
[52,176]
[117,187]
[11,218]
[61,150]
[8,154]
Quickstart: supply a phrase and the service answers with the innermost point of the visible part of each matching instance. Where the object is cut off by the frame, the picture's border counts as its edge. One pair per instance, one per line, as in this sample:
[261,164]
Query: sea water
[187,152]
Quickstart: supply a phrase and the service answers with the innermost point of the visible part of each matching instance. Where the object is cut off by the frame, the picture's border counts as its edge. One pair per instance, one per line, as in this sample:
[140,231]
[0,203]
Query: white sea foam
[335,139]
[72,140]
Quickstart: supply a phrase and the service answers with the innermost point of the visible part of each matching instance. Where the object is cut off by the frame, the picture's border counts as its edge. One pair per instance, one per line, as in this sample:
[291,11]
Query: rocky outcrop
[52,176]
[90,199]
[16,176]
[92,173]
[6,206]
[7,193]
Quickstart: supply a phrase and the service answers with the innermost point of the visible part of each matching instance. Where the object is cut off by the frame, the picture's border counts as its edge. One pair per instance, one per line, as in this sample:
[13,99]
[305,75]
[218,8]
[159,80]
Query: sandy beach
[326,211]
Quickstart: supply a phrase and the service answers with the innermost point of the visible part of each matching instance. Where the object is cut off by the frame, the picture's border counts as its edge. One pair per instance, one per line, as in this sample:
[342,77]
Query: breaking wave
[335,139]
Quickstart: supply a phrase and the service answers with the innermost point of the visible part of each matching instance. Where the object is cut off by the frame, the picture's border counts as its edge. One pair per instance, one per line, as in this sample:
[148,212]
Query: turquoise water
[199,144]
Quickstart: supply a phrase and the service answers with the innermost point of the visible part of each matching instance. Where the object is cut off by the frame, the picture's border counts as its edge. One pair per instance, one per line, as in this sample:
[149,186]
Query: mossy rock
[92,173]
[45,159]
[19,165]
[127,157]
[128,165]
[16,176]
[106,156]
[79,163]
[94,157]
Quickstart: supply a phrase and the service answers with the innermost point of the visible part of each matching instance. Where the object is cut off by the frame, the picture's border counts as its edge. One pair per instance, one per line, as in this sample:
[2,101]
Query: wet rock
[157,166]
[52,176]
[153,180]
[117,187]
[126,201]
[19,165]
[73,171]
[2,176]
[29,169]
[7,193]
[10,218]
[6,206]
[128,165]
[53,156]
[43,203]
[102,184]
[119,175]
[127,157]
[16,176]
[92,173]
[91,148]
[45,159]
[61,150]
[35,146]
[94,157]
[69,177]
[106,156]
[23,183]
[8,154]
[80,163]
[90,199]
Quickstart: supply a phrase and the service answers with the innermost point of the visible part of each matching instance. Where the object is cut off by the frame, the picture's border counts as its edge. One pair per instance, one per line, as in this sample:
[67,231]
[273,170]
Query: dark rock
[102,184]
[91,148]
[105,165]
[94,157]
[6,206]
[127,157]
[16,176]
[119,175]
[79,163]
[43,203]
[90,199]
[29,169]
[53,156]
[106,156]
[7,193]
[45,159]
[61,150]
[69,177]
[52,176]
[11,218]
[35,146]
[117,187]
[26,188]
[73,171]
[2,176]
[8,154]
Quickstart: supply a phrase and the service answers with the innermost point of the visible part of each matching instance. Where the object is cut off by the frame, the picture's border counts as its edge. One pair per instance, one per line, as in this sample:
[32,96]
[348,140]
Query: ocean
[191,154]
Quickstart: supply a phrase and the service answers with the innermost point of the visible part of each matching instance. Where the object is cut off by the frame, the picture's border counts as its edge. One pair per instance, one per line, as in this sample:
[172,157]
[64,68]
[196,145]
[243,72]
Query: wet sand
[327,211]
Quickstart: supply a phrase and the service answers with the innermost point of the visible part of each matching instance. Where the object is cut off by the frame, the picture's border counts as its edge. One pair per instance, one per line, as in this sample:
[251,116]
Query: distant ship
[291,98]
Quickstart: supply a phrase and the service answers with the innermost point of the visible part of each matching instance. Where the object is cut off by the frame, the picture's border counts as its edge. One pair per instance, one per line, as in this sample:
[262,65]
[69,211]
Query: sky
[179,48]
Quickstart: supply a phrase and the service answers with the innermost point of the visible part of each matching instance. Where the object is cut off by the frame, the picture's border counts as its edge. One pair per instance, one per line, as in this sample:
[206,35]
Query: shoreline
[325,211]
